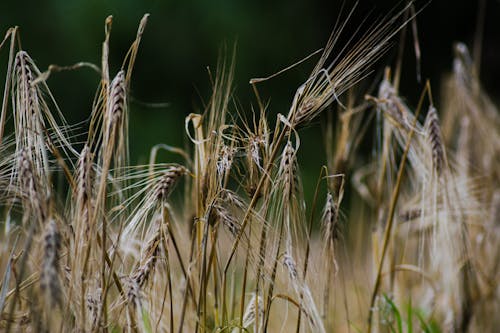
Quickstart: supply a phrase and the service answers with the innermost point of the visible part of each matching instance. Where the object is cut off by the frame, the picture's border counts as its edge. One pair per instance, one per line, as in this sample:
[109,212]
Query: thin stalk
[232,296]
[251,206]
[17,291]
[166,222]
[262,251]
[202,306]
[8,79]
[308,245]
[87,248]
[179,258]
[185,298]
[112,274]
[253,202]
[273,277]
[392,207]
[346,305]
[326,296]
[213,264]
[244,285]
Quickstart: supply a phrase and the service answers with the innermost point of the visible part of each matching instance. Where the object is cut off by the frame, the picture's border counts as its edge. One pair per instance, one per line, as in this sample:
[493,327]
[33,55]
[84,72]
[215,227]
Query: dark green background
[184,37]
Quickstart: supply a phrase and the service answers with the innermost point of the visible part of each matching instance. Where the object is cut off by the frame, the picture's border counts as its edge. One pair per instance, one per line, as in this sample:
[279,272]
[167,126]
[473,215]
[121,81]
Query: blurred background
[183,38]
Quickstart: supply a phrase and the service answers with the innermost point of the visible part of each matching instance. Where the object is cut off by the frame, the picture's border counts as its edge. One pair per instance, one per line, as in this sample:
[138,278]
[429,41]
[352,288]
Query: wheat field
[226,240]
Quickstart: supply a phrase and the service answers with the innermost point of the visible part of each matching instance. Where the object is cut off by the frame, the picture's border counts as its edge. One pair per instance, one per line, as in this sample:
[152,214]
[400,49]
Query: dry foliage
[93,243]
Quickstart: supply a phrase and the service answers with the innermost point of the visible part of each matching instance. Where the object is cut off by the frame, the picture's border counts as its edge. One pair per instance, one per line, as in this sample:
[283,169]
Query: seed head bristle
[328,82]
[49,278]
[21,64]
[290,265]
[304,109]
[227,219]
[330,220]
[253,162]
[463,66]
[254,150]
[226,209]
[84,170]
[389,102]
[29,185]
[137,279]
[26,173]
[255,307]
[85,177]
[410,214]
[28,120]
[287,171]
[84,188]
[232,199]
[225,160]
[25,79]
[133,292]
[433,131]
[94,304]
[117,97]
[167,182]
[142,273]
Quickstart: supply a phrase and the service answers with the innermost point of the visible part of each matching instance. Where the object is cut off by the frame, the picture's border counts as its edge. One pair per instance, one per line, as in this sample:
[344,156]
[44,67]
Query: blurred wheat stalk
[92,243]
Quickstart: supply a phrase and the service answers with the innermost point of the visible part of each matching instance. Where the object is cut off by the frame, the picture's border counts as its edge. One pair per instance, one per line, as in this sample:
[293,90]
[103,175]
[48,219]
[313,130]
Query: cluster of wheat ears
[90,242]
